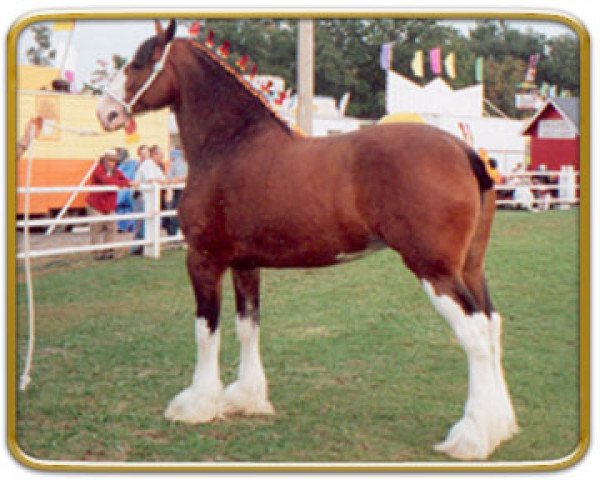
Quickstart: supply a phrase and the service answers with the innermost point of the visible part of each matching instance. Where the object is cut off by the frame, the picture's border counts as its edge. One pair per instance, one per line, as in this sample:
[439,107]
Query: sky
[94,40]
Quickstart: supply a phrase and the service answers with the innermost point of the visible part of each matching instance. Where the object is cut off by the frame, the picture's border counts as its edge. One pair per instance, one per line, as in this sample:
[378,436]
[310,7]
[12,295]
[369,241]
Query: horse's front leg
[202,401]
[248,394]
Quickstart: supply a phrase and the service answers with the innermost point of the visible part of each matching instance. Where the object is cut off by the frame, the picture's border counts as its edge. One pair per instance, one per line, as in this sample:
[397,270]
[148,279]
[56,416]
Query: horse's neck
[216,114]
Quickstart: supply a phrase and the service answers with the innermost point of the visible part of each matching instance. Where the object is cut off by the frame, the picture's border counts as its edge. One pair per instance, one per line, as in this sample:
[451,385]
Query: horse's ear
[158,28]
[164,37]
[170,32]
[167,35]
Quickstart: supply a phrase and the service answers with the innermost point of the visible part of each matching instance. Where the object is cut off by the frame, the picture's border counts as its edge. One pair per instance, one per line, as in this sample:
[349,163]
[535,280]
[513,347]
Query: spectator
[127,166]
[522,194]
[147,172]
[104,203]
[158,156]
[178,171]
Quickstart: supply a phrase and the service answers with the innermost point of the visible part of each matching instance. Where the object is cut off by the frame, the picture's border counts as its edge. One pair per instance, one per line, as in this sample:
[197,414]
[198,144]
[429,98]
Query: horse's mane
[262,102]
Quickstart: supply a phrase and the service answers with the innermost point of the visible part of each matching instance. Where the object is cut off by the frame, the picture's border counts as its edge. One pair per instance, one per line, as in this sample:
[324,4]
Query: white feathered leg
[202,401]
[488,417]
[248,395]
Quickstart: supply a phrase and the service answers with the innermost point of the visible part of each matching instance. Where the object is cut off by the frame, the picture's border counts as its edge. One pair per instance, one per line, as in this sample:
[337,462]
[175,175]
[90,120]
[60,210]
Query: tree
[347,55]
[42,53]
[561,64]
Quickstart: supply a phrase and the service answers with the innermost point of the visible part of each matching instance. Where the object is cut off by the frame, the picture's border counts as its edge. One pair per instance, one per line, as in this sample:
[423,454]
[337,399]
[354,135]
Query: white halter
[158,67]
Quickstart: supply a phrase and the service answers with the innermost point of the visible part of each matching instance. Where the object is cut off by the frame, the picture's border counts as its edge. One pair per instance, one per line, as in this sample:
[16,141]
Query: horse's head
[145,83]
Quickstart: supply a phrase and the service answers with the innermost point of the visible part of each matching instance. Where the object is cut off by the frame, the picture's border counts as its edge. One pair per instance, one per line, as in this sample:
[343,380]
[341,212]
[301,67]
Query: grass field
[359,365]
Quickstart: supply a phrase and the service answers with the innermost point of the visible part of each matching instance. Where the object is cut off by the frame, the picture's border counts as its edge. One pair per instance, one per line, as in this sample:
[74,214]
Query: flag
[63,26]
[450,65]
[435,63]
[417,64]
[479,69]
[565,93]
[532,68]
[385,56]
[69,76]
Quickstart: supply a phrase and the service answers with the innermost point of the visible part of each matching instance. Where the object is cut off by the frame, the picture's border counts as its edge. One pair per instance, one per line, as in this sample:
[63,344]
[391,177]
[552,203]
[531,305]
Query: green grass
[360,367]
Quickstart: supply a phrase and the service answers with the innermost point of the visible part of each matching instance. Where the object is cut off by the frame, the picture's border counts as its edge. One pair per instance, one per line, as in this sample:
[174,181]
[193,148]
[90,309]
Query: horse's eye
[137,66]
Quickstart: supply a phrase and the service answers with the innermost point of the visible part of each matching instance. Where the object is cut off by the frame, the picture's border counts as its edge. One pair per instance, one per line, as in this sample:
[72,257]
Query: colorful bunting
[69,76]
[417,64]
[385,56]
[532,67]
[450,65]
[435,63]
[479,69]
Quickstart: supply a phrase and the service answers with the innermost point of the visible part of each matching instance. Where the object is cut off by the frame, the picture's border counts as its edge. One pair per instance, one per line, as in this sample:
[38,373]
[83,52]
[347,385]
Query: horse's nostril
[112,115]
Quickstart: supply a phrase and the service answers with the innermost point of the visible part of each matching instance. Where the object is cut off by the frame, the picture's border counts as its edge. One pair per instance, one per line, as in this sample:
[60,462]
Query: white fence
[563,191]
[566,188]
[151,217]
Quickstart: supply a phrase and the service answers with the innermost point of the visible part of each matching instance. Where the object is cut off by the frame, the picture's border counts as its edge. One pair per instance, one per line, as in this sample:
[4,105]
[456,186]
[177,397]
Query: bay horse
[260,194]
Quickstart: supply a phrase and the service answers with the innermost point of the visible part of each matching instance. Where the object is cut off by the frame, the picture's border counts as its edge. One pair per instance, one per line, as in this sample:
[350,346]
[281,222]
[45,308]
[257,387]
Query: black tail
[478,167]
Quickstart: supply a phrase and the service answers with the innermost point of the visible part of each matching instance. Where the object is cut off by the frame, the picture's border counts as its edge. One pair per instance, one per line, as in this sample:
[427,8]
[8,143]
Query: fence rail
[565,193]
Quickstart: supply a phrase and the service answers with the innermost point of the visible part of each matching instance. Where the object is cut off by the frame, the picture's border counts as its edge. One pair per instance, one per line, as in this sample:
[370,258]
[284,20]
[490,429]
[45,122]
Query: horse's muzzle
[110,114]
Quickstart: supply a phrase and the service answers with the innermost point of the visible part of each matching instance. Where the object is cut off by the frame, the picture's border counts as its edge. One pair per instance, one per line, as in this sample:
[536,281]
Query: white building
[440,105]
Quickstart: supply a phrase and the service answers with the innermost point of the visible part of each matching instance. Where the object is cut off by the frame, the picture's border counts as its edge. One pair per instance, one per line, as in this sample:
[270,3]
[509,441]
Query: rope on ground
[26,375]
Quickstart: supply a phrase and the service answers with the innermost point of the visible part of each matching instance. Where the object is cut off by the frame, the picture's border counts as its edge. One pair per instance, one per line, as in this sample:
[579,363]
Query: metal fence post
[152,223]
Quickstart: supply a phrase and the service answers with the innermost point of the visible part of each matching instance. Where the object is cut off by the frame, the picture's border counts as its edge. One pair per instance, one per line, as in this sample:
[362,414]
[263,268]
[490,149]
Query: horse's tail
[477,165]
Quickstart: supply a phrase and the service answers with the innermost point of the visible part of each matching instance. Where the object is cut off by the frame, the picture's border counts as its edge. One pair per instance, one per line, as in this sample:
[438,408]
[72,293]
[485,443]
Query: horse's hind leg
[248,394]
[202,401]
[488,416]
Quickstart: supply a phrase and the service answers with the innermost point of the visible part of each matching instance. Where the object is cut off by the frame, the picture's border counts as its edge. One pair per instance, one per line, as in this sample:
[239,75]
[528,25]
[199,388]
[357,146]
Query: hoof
[246,400]
[468,439]
[194,406]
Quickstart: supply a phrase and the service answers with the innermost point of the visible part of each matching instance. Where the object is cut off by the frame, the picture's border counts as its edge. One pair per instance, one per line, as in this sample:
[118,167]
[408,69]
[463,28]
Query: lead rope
[25,376]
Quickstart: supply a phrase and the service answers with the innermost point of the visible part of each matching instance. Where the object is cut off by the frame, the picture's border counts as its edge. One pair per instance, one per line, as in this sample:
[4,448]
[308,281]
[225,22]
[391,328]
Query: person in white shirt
[148,171]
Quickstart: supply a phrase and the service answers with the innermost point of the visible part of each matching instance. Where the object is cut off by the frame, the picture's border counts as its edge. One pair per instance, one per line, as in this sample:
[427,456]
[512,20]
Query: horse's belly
[304,254]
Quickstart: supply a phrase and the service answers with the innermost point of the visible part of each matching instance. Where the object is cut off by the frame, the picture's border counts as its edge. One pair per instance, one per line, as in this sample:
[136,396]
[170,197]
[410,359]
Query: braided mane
[247,86]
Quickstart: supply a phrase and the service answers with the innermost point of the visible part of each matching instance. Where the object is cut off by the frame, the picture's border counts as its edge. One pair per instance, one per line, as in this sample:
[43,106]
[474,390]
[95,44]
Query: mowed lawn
[360,367]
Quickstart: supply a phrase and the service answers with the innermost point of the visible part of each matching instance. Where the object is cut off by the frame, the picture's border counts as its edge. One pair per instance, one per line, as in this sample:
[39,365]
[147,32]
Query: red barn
[554,132]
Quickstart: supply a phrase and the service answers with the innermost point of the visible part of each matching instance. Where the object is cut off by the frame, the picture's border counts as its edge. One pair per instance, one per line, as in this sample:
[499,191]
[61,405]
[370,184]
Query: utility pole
[306,74]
